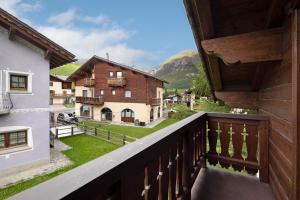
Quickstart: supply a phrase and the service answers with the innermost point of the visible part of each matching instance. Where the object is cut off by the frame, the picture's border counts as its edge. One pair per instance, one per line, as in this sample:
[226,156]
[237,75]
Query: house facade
[25,59]
[109,91]
[60,90]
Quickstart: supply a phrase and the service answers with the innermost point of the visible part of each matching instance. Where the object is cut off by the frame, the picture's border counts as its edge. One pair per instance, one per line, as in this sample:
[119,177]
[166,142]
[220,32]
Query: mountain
[178,69]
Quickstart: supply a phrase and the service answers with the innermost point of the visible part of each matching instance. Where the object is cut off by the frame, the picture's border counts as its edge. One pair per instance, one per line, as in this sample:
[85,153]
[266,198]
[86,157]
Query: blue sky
[136,32]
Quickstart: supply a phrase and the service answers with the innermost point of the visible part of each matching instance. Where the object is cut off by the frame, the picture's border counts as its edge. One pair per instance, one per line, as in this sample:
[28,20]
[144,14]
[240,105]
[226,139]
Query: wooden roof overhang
[56,54]
[86,69]
[238,40]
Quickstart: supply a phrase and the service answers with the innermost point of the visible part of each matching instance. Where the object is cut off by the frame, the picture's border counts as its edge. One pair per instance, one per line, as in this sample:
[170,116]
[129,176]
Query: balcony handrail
[140,168]
[5,102]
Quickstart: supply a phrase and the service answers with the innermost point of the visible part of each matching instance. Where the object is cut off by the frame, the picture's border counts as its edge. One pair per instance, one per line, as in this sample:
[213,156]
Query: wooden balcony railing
[5,103]
[116,81]
[89,82]
[155,101]
[164,165]
[90,100]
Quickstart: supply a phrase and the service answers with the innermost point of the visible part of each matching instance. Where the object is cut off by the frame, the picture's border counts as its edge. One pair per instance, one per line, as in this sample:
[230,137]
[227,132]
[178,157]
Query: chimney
[107,56]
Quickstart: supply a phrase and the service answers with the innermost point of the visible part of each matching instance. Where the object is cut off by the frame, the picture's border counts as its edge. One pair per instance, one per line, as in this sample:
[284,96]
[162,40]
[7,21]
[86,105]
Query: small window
[13,139]
[101,92]
[119,74]
[18,82]
[51,83]
[128,93]
[111,74]
[113,92]
[84,93]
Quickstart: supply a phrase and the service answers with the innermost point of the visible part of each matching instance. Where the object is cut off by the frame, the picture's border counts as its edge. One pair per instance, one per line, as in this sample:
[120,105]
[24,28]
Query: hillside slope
[178,69]
[65,70]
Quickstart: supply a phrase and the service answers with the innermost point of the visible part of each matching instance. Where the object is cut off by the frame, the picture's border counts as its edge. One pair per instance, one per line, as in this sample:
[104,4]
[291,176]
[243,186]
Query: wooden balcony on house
[116,81]
[5,103]
[89,82]
[155,101]
[90,100]
[172,164]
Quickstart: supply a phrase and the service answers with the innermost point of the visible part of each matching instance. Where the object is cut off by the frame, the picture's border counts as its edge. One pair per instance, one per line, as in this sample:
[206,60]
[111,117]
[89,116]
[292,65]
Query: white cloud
[103,35]
[64,18]
[100,19]
[18,7]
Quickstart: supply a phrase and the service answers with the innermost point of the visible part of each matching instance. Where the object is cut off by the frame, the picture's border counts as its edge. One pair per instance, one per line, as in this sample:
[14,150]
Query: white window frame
[113,92]
[101,92]
[18,149]
[29,82]
[128,92]
[119,74]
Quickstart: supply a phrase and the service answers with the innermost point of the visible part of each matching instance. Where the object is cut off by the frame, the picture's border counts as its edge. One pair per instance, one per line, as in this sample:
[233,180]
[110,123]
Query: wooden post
[95,131]
[203,142]
[124,139]
[263,136]
[186,168]
[72,130]
[56,133]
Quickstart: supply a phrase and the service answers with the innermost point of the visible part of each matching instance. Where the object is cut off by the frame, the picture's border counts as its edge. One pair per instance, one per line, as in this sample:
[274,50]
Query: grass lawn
[84,149]
[132,131]
[69,105]
[65,70]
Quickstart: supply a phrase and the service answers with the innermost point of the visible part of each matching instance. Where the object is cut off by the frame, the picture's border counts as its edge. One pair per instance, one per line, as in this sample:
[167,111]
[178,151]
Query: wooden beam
[295,38]
[239,99]
[202,26]
[47,54]
[252,47]
[11,33]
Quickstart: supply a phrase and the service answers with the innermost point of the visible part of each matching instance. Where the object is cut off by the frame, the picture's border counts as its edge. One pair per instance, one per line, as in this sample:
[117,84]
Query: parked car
[67,117]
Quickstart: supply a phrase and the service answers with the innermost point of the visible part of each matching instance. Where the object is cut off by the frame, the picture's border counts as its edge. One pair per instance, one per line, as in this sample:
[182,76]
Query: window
[84,93]
[51,83]
[111,74]
[128,93]
[13,139]
[18,82]
[101,92]
[113,92]
[119,74]
[66,85]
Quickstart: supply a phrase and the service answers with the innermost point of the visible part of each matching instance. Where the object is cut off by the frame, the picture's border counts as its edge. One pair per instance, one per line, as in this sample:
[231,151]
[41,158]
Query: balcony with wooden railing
[116,81]
[155,101]
[89,82]
[5,103]
[90,100]
[172,164]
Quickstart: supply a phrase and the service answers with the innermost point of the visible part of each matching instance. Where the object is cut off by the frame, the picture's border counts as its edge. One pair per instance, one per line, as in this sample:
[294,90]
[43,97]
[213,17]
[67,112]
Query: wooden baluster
[252,144]
[172,173]
[263,151]
[133,184]
[212,139]
[237,141]
[186,168]
[224,139]
[179,161]
[163,176]
[204,131]
[152,172]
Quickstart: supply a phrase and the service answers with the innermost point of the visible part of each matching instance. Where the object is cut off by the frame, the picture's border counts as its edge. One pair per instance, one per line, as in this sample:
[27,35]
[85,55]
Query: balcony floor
[215,184]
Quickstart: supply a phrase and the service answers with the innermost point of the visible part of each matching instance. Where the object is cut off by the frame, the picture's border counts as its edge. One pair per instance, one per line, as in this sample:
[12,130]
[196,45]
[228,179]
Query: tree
[176,91]
[166,93]
[200,83]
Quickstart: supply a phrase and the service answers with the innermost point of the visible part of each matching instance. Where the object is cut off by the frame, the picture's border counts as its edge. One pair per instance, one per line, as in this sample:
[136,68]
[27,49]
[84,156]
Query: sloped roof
[60,78]
[90,63]
[56,54]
